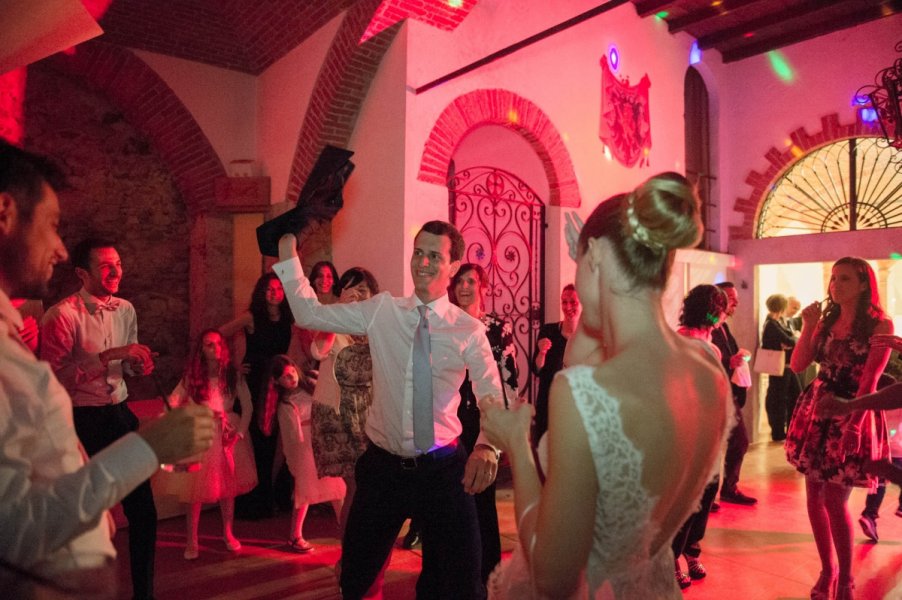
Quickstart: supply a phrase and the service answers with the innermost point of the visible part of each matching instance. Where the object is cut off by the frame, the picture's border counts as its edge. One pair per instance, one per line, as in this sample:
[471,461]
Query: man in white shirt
[401,475]
[90,340]
[53,519]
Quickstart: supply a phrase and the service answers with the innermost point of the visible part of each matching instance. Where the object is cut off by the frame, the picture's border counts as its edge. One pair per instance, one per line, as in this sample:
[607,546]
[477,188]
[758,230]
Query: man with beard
[53,517]
[90,340]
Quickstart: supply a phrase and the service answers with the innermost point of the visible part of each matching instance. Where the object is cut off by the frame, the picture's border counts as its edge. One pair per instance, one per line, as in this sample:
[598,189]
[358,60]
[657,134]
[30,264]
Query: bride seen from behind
[634,430]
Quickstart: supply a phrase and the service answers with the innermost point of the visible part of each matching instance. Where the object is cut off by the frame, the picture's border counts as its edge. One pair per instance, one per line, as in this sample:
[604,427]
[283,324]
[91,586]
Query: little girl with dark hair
[292,406]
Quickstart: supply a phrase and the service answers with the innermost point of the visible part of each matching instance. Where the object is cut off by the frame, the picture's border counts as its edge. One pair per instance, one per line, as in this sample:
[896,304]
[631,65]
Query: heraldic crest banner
[625,121]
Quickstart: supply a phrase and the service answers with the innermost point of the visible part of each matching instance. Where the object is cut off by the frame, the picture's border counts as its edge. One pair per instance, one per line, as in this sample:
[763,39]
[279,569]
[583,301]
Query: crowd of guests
[395,408]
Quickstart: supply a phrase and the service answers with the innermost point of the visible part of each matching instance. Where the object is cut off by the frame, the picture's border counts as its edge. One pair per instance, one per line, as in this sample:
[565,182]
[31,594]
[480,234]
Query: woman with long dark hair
[261,332]
[832,451]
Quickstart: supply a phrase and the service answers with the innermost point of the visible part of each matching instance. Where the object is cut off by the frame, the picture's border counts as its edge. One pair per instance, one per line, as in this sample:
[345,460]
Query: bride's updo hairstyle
[646,226]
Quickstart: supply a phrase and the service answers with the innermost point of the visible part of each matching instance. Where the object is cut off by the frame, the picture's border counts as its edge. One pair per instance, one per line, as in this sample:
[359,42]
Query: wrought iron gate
[503,225]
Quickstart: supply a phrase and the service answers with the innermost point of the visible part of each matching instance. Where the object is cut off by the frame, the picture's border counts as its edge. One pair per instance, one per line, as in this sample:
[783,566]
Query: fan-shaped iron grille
[846,186]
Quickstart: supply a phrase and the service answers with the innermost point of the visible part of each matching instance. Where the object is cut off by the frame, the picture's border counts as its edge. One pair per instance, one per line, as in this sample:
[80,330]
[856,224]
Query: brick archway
[781,160]
[501,107]
[341,87]
[149,104]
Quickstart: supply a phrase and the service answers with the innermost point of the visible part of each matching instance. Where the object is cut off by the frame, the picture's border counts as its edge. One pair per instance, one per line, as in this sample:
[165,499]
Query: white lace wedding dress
[620,564]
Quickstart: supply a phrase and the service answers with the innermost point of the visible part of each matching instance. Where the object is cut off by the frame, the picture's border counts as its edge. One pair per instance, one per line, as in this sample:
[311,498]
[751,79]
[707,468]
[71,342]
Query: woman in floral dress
[831,451]
[467,290]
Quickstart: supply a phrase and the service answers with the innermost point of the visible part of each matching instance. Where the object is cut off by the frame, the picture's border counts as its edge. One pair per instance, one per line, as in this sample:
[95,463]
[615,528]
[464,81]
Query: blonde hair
[646,226]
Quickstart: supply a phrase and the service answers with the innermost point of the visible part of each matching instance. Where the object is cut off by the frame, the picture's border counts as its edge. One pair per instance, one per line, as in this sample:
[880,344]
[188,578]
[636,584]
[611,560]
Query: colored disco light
[780,66]
[455,3]
[662,15]
[614,58]
[513,116]
[695,54]
[895,256]
[868,115]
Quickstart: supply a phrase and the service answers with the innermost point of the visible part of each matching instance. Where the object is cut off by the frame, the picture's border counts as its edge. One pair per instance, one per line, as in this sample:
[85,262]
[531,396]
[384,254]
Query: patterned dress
[338,436]
[834,449]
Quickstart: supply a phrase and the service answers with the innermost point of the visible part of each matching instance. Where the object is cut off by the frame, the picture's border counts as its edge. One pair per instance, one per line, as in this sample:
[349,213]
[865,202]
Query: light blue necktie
[423,425]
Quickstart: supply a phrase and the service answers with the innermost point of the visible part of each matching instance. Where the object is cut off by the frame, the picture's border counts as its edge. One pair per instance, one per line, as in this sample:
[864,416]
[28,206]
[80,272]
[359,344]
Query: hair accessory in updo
[637,230]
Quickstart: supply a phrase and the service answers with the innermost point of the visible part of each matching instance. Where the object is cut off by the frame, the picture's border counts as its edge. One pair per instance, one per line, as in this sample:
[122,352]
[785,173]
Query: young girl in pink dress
[227,468]
[293,406]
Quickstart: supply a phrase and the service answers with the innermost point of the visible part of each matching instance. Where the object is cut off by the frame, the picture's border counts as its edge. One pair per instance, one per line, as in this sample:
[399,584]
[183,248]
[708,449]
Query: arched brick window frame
[149,104]
[779,161]
[340,89]
[153,108]
[505,108]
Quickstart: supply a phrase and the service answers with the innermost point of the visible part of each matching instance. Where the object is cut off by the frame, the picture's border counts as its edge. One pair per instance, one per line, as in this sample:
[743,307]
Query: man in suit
[415,465]
[738,442]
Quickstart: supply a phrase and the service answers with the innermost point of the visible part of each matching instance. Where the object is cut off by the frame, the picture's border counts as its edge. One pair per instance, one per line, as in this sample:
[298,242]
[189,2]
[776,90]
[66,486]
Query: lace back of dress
[623,531]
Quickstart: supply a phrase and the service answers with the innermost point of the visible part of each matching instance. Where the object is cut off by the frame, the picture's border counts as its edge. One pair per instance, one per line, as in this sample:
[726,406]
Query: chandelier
[885,98]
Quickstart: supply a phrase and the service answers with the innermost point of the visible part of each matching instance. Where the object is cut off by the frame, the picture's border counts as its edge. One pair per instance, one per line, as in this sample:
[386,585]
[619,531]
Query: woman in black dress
[549,356]
[782,390]
[467,290]
[261,332]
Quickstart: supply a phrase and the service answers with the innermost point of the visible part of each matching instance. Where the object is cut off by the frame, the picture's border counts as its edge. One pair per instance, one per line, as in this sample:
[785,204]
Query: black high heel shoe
[825,587]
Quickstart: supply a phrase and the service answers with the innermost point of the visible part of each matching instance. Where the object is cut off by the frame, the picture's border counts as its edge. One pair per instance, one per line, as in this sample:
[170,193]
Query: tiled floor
[762,552]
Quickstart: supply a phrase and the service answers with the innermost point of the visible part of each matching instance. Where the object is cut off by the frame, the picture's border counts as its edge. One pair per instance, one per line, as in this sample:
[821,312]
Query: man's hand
[288,247]
[739,358]
[180,433]
[833,406]
[887,340]
[481,469]
[138,356]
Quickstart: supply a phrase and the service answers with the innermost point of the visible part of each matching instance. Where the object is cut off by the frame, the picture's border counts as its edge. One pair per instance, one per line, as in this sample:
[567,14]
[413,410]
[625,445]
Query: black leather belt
[410,463]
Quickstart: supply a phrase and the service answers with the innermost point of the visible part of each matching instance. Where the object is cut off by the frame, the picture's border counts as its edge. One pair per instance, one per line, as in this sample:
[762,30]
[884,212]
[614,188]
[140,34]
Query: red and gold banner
[625,121]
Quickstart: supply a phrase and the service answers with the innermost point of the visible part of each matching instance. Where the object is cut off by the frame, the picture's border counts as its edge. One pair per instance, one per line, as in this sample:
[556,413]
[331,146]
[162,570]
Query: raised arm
[806,347]
[308,312]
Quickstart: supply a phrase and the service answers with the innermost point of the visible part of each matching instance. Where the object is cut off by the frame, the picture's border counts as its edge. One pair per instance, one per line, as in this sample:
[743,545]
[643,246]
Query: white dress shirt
[73,334]
[458,343]
[52,504]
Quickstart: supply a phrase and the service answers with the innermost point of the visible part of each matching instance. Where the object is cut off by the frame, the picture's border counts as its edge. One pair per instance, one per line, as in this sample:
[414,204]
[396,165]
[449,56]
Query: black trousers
[687,539]
[737,446]
[259,503]
[486,509]
[780,402]
[98,427]
[432,493]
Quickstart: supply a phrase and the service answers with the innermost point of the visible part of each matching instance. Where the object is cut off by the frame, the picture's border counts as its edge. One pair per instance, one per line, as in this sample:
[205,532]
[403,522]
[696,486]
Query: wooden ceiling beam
[836,22]
[799,10]
[647,8]
[706,13]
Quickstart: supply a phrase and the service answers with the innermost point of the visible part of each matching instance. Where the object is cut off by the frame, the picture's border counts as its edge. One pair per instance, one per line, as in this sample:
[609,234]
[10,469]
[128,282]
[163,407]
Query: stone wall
[120,189]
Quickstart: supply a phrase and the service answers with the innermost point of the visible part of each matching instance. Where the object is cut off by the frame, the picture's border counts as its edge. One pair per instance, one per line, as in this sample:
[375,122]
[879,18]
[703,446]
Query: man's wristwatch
[492,448]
